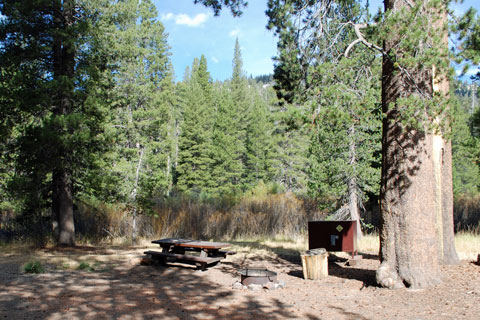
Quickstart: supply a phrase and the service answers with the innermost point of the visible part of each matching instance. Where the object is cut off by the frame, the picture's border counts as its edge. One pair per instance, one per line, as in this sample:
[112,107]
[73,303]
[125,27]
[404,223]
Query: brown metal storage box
[333,235]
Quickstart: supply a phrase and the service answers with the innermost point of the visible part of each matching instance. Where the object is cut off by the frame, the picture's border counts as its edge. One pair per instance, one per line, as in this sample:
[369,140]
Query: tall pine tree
[55,54]
[193,170]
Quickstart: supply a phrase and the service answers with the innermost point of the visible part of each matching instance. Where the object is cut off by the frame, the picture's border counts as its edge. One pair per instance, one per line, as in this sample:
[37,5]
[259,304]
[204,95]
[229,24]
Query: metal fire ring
[257,276]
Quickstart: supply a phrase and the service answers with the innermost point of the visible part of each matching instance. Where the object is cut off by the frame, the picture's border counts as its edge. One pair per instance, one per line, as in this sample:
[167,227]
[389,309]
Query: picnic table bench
[174,249]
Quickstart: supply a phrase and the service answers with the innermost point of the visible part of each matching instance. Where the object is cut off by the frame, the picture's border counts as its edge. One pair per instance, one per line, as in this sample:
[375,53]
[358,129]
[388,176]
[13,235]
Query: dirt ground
[118,287]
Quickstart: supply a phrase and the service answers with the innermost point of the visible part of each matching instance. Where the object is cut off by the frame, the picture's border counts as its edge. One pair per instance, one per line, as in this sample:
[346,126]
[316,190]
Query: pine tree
[56,55]
[465,147]
[259,144]
[416,115]
[345,142]
[345,148]
[291,139]
[241,103]
[195,141]
[227,164]
[143,99]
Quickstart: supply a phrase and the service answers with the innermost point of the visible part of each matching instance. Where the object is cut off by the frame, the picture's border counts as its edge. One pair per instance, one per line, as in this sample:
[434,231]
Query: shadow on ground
[141,292]
[337,265]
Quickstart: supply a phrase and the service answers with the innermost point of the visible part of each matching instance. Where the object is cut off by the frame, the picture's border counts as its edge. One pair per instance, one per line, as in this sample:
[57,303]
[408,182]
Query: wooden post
[315,264]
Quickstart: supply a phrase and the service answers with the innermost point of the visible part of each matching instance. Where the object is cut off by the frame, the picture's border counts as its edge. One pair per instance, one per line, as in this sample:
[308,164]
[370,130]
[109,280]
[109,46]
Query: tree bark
[352,183]
[63,203]
[449,254]
[409,236]
[134,195]
[443,165]
[64,69]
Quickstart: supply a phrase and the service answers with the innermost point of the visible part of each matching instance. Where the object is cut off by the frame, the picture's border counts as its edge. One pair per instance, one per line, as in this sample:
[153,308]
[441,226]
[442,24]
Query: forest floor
[114,285]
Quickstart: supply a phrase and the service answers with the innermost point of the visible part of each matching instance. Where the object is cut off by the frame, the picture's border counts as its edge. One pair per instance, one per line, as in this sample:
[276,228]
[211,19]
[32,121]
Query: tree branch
[360,38]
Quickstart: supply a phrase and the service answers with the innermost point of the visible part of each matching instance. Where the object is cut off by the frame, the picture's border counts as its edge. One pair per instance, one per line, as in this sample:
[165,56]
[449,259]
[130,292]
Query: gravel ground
[116,286]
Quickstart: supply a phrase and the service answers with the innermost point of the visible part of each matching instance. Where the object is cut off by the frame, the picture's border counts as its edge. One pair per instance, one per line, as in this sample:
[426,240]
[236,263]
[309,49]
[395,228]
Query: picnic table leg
[163,260]
[201,266]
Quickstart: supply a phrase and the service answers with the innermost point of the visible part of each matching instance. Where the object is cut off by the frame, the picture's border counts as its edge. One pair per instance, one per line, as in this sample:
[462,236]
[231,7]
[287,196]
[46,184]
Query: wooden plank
[191,243]
[172,241]
[185,257]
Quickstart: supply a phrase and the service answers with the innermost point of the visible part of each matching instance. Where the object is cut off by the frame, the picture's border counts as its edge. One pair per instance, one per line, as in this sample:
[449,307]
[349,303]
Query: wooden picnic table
[175,249]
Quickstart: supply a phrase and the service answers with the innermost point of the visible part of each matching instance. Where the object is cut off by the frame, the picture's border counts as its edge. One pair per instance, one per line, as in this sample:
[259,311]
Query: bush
[84,266]
[33,267]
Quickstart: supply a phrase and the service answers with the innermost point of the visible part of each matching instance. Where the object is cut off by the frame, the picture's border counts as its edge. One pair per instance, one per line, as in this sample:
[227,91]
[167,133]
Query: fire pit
[257,276]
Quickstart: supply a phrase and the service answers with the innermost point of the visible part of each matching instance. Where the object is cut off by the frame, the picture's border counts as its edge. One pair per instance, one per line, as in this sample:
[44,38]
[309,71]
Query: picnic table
[183,250]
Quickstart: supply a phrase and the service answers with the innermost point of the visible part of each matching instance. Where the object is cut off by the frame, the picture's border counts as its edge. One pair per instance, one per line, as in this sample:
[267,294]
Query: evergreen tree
[465,147]
[414,90]
[143,100]
[291,138]
[55,54]
[345,148]
[345,145]
[241,103]
[195,141]
[228,167]
[259,144]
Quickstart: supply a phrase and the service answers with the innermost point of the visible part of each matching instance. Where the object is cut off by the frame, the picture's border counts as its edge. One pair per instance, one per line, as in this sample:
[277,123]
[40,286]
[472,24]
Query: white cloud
[215,60]
[186,20]
[234,33]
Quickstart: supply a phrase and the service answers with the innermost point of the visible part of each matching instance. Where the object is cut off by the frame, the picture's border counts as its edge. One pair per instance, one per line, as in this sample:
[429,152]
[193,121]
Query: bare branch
[360,38]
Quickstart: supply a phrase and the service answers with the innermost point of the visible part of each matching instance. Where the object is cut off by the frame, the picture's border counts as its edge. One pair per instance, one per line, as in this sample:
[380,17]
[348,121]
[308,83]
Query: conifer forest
[100,137]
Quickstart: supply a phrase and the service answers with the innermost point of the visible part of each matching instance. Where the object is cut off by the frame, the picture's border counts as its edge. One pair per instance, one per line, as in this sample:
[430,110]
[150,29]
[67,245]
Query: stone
[254,287]
[281,284]
[270,285]
[237,286]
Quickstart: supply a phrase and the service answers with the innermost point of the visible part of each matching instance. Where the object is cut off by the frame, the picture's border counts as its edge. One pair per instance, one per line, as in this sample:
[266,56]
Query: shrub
[33,267]
[85,266]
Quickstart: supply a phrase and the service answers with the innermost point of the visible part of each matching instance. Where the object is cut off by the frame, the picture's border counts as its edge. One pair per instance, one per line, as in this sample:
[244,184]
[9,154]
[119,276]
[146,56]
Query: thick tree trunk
[443,167]
[409,196]
[449,254]
[64,69]
[63,204]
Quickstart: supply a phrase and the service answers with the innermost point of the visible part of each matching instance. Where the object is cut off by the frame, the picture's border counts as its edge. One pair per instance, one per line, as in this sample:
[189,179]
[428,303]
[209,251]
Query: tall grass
[254,215]
[265,215]
[258,214]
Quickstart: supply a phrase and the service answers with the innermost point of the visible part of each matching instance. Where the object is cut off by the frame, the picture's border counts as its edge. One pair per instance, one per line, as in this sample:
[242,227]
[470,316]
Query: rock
[237,286]
[254,287]
[270,285]
[281,284]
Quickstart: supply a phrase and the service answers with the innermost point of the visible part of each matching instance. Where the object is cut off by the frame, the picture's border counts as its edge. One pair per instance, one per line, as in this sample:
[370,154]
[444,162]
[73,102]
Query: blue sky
[193,31]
